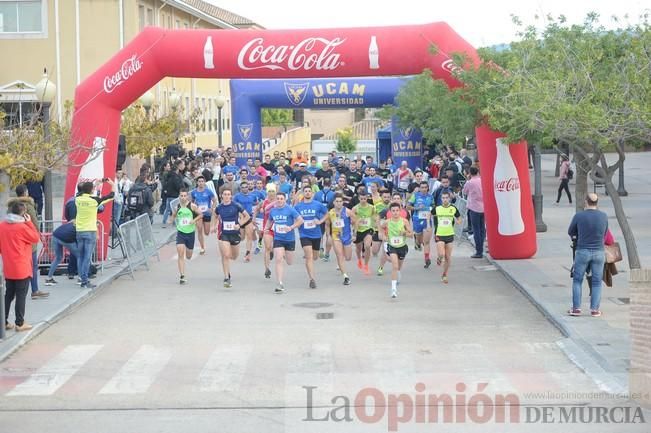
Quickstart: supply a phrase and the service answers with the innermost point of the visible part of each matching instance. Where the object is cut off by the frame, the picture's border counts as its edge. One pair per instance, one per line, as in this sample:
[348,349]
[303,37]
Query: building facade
[72,38]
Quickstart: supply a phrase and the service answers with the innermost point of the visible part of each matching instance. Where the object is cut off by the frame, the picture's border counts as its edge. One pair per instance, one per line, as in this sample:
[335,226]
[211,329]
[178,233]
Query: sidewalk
[600,346]
[67,295]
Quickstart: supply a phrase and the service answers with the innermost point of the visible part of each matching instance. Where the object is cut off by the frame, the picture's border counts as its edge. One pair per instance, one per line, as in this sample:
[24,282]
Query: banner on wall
[406,145]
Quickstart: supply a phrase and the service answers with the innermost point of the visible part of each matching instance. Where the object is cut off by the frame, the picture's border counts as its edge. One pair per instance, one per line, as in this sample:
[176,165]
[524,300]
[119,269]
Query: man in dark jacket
[173,187]
[140,199]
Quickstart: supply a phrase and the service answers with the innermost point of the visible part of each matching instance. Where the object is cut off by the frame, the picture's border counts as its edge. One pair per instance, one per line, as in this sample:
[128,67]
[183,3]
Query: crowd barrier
[46,251]
[138,242]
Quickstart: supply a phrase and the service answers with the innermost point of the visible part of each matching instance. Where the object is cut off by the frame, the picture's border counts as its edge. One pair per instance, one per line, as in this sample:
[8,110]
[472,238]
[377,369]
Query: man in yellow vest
[86,222]
[445,216]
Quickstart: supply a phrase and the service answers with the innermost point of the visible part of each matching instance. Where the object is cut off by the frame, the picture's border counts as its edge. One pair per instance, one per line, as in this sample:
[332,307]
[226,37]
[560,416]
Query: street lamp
[219,101]
[173,100]
[147,100]
[45,91]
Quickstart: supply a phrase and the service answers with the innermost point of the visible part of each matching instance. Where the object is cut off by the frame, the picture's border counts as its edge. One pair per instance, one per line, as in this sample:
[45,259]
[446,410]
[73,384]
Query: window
[150,17]
[21,16]
[17,113]
[178,24]
[141,17]
[210,102]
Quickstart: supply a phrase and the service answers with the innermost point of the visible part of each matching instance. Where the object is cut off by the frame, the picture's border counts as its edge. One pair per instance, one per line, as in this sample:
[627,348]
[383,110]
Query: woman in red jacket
[17,234]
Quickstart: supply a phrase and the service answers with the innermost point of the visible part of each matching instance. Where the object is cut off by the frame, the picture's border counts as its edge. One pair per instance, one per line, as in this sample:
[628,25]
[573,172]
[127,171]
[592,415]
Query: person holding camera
[86,218]
[17,235]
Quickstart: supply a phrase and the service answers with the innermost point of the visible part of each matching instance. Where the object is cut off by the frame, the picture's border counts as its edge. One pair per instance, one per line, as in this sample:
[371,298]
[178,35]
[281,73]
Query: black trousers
[16,289]
[564,186]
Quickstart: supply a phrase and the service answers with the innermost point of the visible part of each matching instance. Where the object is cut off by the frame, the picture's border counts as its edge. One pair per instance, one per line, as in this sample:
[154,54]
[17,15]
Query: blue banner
[250,96]
[406,145]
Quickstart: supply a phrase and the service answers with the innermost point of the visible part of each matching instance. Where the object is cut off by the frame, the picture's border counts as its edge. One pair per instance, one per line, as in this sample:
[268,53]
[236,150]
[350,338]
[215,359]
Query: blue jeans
[34,280]
[478,230]
[86,244]
[595,259]
[168,209]
[117,212]
[58,245]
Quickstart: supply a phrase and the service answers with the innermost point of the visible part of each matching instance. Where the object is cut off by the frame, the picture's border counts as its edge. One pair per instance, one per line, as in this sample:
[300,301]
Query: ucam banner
[406,145]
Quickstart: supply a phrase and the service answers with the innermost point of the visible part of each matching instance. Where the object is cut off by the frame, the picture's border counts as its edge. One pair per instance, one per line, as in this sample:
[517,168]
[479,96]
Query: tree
[277,116]
[346,143]
[24,154]
[579,84]
[146,132]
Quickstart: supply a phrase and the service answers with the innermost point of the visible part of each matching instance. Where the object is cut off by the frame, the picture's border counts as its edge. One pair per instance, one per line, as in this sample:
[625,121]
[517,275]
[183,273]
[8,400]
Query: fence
[46,253]
[462,205]
[138,242]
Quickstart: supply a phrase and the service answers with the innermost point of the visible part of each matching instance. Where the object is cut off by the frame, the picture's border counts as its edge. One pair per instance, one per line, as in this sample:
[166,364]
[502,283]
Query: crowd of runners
[371,215]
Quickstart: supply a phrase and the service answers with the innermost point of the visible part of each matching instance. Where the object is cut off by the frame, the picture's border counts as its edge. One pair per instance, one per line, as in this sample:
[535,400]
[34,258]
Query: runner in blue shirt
[247,200]
[314,214]
[420,206]
[284,219]
[231,167]
[206,201]
[228,218]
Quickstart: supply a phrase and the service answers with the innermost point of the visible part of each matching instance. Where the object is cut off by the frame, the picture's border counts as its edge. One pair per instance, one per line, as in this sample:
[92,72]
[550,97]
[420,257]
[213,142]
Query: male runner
[284,219]
[261,216]
[396,197]
[382,204]
[340,222]
[445,216]
[247,200]
[314,214]
[420,205]
[185,217]
[261,194]
[206,200]
[365,215]
[398,229]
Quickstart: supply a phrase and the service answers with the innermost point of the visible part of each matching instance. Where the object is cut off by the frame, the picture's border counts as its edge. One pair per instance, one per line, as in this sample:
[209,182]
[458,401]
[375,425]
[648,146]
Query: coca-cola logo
[449,66]
[310,53]
[507,185]
[130,66]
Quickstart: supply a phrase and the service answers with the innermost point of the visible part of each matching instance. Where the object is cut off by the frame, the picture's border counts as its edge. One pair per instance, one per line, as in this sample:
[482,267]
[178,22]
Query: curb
[76,302]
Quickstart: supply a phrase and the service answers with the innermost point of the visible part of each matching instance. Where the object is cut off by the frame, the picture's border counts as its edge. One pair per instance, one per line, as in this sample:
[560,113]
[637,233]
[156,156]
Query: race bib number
[309,224]
[186,221]
[203,208]
[258,223]
[395,241]
[423,214]
[339,223]
[229,225]
[446,222]
[364,222]
[403,184]
[281,228]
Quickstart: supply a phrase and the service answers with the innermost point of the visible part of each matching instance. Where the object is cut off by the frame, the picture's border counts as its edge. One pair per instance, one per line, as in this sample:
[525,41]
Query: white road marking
[225,369]
[139,372]
[55,373]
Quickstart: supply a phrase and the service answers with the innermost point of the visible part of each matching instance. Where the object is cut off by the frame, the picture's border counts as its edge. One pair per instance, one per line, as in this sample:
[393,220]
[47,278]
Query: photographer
[140,199]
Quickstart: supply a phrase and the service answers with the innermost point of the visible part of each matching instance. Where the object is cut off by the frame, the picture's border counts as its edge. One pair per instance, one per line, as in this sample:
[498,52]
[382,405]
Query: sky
[481,23]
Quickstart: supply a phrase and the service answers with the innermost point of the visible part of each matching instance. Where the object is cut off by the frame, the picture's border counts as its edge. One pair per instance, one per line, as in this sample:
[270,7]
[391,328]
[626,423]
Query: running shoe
[360,265]
[257,250]
[247,257]
[280,288]
[326,258]
[267,273]
[366,271]
[227,283]
[444,278]
[394,294]
[380,271]
[312,284]
[182,279]
[321,253]
[428,263]
[50,282]
[202,251]
[346,281]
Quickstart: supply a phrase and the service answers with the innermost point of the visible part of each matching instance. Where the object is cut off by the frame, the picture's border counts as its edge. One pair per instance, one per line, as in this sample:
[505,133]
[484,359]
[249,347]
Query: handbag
[613,253]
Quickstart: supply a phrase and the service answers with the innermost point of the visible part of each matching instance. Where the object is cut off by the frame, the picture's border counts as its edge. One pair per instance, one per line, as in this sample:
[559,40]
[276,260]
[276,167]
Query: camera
[106,179]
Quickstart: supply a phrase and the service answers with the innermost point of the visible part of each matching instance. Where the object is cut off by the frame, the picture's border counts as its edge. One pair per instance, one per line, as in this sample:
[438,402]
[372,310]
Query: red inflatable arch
[375,51]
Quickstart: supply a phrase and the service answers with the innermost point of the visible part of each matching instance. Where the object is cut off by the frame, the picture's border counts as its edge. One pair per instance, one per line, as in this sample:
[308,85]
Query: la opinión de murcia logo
[310,53]
[510,184]
[128,69]
[449,66]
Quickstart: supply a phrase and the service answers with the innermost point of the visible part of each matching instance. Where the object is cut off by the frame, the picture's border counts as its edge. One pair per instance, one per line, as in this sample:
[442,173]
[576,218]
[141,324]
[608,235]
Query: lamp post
[45,91]
[174,99]
[219,101]
[537,195]
[147,100]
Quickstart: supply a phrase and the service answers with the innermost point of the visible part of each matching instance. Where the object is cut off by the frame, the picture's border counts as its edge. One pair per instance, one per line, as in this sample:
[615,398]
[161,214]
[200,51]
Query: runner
[314,214]
[261,215]
[383,204]
[228,222]
[383,215]
[365,216]
[445,216]
[185,217]
[325,196]
[206,200]
[261,194]
[339,222]
[398,229]
[284,219]
[404,175]
[247,200]
[420,205]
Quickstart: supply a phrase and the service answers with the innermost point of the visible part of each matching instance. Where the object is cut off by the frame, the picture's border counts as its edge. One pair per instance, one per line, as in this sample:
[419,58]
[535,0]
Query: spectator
[564,175]
[18,234]
[23,197]
[36,191]
[140,200]
[64,236]
[473,191]
[589,228]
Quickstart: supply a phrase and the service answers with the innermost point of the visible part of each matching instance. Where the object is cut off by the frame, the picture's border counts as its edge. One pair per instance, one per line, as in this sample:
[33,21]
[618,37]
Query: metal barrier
[462,205]
[138,242]
[46,253]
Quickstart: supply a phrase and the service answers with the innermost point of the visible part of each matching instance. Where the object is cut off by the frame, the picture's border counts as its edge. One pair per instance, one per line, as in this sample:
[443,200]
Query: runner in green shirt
[385,200]
[365,227]
[445,216]
[185,216]
[397,230]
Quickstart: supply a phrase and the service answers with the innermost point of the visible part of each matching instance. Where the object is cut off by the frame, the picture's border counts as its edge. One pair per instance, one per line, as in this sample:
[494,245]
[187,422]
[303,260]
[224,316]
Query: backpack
[570,173]
[136,200]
